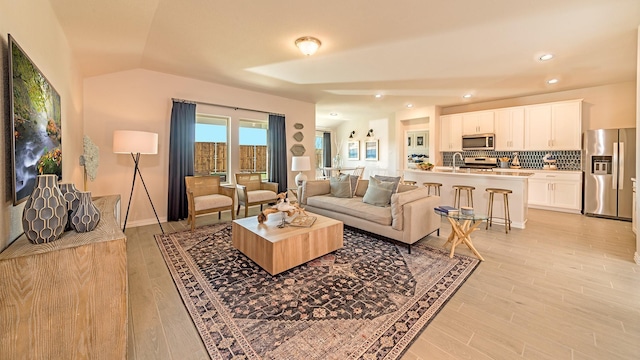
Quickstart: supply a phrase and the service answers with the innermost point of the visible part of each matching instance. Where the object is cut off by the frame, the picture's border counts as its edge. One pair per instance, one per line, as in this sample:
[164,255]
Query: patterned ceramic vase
[70,194]
[45,213]
[86,216]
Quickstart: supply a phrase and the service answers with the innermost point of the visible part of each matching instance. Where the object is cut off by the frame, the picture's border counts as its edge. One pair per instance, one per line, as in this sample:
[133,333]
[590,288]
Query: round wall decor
[298,126]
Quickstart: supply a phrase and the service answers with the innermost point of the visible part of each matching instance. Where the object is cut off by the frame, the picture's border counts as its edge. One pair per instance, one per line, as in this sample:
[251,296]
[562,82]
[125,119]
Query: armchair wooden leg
[238,211]
[233,216]
[220,214]
[246,210]
[193,223]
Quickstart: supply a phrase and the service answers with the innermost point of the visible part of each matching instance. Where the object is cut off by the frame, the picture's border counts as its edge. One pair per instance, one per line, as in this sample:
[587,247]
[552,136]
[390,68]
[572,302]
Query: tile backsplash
[565,159]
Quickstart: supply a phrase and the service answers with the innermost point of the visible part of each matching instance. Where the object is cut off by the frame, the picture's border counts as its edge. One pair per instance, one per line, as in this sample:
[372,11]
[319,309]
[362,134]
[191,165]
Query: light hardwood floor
[564,288]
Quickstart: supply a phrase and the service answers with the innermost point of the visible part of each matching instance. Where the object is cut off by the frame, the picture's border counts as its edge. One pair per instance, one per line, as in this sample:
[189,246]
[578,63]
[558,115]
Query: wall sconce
[352,134]
[370,133]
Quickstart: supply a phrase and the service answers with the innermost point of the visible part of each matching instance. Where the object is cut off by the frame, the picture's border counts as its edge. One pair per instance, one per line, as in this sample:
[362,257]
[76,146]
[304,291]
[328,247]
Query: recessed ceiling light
[545,57]
[378,96]
[333,114]
[552,81]
[466,96]
[409,105]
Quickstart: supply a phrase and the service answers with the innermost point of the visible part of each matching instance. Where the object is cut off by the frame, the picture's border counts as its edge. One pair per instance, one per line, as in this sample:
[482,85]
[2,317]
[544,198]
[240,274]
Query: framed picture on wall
[420,140]
[353,150]
[371,150]
[36,124]
[409,140]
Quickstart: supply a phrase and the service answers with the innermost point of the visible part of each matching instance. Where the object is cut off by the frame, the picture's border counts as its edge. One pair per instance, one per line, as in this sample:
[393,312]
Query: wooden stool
[435,186]
[409,182]
[507,217]
[456,197]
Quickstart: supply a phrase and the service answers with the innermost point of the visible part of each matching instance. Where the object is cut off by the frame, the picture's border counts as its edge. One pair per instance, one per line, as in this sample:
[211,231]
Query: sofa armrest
[419,219]
[313,188]
[399,200]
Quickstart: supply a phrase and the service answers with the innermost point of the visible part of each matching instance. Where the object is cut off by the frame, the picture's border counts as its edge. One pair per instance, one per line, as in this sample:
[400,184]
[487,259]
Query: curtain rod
[225,106]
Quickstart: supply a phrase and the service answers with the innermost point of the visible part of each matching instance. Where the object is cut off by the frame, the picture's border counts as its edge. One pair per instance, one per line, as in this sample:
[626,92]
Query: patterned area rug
[368,300]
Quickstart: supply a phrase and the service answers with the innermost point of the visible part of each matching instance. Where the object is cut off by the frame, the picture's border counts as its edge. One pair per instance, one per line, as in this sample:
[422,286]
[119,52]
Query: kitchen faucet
[453,162]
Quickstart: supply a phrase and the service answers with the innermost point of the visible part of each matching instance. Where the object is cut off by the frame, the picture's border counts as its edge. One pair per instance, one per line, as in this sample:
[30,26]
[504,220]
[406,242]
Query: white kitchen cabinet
[477,122]
[554,126]
[556,191]
[509,126]
[451,132]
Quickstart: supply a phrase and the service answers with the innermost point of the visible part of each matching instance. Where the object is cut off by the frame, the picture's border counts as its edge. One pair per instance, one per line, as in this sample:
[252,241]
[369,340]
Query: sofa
[408,218]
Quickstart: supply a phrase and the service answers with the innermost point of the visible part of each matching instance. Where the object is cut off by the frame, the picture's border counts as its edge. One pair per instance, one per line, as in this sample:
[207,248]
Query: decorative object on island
[353,150]
[282,206]
[70,195]
[425,166]
[136,143]
[86,216]
[89,159]
[371,150]
[44,217]
[36,124]
[300,164]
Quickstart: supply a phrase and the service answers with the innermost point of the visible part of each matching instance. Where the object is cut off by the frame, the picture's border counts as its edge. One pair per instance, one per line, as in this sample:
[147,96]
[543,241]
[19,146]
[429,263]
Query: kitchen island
[515,181]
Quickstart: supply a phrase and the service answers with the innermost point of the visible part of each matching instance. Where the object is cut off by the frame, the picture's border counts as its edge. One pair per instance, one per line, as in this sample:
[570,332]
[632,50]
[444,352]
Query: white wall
[388,147]
[141,100]
[35,28]
[637,205]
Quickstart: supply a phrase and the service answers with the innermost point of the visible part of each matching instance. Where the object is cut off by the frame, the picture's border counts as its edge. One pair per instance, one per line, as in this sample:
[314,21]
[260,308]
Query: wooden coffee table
[279,249]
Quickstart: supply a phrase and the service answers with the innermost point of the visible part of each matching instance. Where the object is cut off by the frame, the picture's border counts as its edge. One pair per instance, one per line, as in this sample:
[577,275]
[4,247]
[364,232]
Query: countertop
[471,172]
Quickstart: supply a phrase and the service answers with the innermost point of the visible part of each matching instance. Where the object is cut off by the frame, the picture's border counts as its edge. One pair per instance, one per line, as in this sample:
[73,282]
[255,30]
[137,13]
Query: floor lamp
[136,143]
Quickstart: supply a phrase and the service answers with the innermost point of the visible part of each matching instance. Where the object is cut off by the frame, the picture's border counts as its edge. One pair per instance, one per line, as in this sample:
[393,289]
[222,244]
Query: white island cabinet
[514,181]
[559,191]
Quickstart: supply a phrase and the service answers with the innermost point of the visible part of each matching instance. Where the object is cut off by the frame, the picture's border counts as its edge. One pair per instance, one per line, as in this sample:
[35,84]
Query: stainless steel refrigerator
[609,163]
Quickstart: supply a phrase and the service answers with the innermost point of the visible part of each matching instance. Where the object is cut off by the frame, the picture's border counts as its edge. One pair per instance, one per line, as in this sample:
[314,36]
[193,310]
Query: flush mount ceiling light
[552,81]
[545,57]
[308,45]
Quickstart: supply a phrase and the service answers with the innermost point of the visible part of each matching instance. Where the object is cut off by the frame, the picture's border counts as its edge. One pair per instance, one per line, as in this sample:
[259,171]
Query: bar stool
[507,217]
[434,185]
[409,182]
[456,197]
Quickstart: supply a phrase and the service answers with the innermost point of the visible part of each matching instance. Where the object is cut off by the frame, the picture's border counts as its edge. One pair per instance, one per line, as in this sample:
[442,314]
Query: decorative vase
[86,216]
[45,213]
[70,194]
[337,161]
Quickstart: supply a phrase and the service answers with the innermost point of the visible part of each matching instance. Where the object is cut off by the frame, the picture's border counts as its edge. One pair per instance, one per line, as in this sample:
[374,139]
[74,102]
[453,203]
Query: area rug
[368,300]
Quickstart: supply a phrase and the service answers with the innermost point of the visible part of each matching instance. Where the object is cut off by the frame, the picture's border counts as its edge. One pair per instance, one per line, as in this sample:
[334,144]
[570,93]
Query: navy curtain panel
[326,149]
[277,147]
[181,157]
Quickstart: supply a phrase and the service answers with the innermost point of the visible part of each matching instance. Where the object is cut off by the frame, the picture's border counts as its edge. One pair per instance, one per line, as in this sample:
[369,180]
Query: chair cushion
[261,195]
[378,192]
[211,201]
[341,186]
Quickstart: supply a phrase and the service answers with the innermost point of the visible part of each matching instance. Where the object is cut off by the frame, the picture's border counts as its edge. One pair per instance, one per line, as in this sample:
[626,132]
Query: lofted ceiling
[420,52]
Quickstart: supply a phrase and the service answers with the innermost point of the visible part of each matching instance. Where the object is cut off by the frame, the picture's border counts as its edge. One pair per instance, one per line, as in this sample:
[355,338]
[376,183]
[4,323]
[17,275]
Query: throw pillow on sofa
[378,192]
[394,179]
[341,186]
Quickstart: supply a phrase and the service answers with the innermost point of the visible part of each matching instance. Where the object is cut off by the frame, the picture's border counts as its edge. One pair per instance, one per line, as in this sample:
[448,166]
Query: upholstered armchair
[205,195]
[253,191]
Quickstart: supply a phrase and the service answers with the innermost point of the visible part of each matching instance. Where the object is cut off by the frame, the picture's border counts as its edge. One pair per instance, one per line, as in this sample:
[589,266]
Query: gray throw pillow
[394,179]
[378,192]
[341,186]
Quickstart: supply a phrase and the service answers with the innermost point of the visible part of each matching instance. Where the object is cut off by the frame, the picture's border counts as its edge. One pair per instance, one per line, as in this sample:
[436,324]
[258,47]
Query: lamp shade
[300,163]
[125,142]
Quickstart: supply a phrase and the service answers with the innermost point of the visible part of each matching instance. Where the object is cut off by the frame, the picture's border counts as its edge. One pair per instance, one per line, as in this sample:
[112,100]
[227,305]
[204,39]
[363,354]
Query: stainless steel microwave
[478,142]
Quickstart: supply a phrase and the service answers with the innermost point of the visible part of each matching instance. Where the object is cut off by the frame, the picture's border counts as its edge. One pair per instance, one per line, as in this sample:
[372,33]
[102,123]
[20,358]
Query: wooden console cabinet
[67,299]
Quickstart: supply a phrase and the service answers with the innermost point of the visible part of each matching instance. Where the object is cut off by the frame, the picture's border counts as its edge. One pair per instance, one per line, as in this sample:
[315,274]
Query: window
[253,146]
[211,150]
[319,149]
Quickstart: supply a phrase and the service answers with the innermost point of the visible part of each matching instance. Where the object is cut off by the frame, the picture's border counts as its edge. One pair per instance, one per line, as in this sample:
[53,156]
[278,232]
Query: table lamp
[136,143]
[300,164]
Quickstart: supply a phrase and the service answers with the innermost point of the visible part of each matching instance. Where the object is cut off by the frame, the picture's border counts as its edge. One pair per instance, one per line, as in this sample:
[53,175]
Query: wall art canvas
[36,123]
[353,150]
[371,150]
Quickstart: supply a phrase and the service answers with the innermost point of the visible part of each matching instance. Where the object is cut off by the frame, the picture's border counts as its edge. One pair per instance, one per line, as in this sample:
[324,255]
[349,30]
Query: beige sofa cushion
[397,204]
[353,207]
